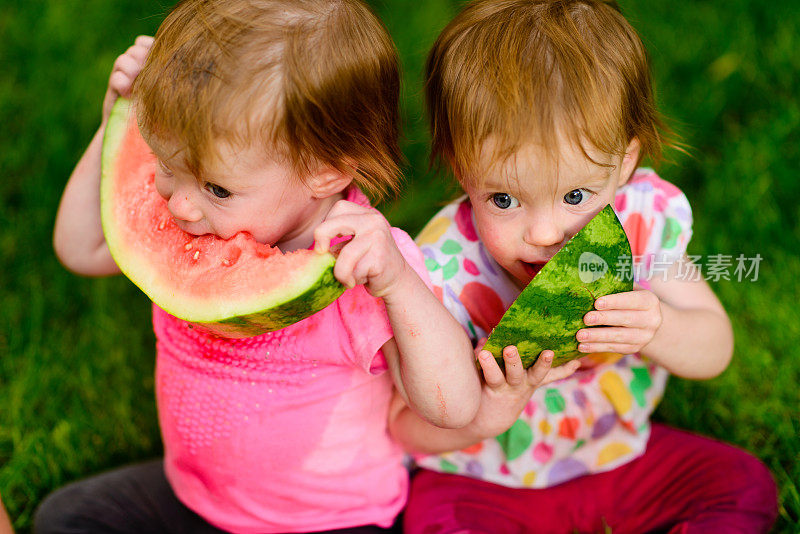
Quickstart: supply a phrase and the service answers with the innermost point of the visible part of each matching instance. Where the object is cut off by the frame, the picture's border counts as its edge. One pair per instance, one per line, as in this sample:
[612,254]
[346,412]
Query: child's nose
[543,231]
[182,208]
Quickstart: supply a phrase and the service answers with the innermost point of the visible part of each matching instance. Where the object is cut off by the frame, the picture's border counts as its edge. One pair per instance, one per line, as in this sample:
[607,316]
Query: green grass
[76,355]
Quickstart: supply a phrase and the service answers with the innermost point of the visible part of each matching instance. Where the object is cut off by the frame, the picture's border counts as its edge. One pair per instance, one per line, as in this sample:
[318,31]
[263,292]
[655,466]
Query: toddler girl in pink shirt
[270,118]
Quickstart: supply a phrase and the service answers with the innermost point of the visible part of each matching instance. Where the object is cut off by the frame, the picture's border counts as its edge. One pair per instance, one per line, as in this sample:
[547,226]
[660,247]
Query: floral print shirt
[598,418]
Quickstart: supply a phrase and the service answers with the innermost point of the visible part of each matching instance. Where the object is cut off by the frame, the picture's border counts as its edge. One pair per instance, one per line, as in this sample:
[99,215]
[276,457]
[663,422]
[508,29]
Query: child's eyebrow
[594,179]
[494,186]
[499,182]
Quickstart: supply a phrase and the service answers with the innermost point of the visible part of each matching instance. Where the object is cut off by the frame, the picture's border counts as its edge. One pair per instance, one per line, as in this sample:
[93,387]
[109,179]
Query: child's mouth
[532,269]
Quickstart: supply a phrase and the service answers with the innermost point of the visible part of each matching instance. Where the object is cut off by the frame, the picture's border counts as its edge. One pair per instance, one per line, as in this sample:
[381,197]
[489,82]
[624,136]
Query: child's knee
[758,491]
[745,487]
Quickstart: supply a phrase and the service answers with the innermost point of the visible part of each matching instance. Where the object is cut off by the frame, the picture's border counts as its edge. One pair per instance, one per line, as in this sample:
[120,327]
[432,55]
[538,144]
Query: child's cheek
[163,185]
[496,241]
[496,237]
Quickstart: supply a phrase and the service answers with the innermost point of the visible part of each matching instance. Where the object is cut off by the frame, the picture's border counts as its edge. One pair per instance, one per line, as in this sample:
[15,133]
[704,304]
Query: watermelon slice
[233,288]
[549,311]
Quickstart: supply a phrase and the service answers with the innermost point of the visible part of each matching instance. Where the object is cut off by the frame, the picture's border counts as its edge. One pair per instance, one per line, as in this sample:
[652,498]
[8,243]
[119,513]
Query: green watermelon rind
[550,310]
[326,290]
[315,289]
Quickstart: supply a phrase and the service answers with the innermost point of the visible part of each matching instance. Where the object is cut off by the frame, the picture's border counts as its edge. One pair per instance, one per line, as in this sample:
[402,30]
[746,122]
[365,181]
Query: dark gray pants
[132,500]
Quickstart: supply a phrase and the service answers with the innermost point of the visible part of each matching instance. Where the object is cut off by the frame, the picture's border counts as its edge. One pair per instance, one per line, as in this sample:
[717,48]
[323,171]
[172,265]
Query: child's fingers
[138,53]
[628,336]
[345,207]
[561,372]
[127,65]
[625,336]
[624,318]
[144,40]
[515,374]
[125,70]
[628,300]
[538,372]
[331,228]
[621,348]
[367,268]
[120,83]
[613,339]
[479,345]
[123,74]
[346,267]
[492,374]
[343,219]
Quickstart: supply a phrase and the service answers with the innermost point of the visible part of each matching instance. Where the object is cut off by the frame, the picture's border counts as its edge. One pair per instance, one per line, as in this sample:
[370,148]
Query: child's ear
[328,181]
[630,160]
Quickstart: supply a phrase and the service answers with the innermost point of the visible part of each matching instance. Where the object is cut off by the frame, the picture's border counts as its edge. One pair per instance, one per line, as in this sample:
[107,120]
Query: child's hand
[630,320]
[504,396]
[371,257]
[126,68]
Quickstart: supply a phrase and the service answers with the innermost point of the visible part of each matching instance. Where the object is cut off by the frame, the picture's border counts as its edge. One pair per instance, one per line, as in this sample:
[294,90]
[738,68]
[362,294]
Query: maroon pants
[684,483]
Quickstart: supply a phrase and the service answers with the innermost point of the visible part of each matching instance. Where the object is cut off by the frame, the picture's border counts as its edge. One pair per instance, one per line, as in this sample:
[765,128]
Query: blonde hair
[528,71]
[315,82]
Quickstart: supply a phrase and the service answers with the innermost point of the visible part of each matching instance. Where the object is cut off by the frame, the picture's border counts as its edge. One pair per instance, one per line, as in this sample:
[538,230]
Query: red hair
[315,82]
[529,71]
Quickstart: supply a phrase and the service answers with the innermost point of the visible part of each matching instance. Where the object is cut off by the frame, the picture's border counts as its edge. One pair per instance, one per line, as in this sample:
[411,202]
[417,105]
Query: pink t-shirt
[286,431]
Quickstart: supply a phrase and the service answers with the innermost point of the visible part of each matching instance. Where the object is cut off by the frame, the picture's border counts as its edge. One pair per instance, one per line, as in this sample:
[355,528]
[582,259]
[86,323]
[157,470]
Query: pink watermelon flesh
[236,287]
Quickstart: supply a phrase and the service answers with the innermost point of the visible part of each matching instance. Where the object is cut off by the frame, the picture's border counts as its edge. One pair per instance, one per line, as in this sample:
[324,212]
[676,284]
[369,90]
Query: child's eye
[217,191]
[577,196]
[504,201]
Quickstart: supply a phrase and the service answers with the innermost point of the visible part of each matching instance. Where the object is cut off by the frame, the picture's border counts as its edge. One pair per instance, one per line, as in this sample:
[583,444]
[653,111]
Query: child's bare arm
[430,356]
[695,339]
[418,436]
[5,521]
[680,324]
[78,235]
[503,397]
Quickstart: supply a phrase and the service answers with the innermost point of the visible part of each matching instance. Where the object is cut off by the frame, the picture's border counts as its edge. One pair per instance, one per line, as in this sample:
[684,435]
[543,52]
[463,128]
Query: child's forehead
[562,163]
[221,158]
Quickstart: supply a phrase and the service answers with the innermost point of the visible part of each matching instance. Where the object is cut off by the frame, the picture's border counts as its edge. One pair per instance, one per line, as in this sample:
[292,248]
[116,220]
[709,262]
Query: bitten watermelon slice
[233,288]
[549,311]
